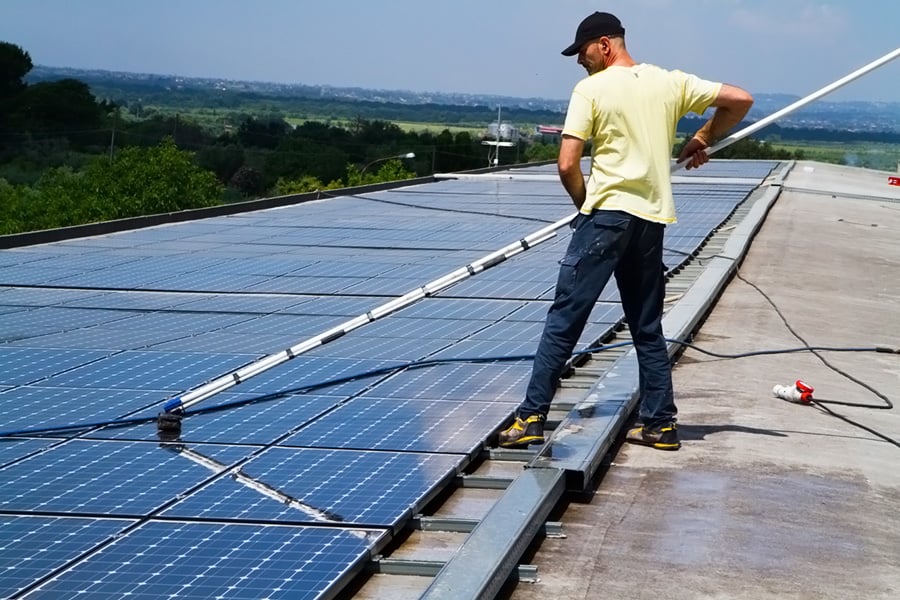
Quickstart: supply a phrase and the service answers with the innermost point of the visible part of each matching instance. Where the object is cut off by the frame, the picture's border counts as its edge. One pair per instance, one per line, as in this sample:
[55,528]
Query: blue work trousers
[603,244]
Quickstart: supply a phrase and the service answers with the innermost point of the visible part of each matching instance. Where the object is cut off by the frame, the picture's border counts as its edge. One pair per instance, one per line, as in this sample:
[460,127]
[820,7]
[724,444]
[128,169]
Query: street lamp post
[378,160]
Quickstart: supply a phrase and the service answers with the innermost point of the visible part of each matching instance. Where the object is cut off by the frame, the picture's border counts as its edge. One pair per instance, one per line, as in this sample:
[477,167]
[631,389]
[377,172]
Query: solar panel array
[300,474]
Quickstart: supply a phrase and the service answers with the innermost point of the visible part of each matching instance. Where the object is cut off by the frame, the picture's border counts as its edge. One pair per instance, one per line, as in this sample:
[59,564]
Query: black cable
[887,402]
[439,209]
[411,365]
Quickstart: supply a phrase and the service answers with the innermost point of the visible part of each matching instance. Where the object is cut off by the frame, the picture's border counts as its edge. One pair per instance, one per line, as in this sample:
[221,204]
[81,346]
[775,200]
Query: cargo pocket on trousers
[568,273]
[609,229]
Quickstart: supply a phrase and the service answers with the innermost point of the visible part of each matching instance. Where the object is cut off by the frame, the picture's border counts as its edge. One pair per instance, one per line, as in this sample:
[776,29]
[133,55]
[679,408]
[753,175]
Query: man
[628,112]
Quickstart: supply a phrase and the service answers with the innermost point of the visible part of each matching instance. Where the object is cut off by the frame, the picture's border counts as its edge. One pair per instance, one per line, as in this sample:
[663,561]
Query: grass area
[437,128]
[882,157]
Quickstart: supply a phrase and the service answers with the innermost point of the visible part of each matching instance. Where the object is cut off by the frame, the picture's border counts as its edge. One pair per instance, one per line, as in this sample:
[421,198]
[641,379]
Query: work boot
[661,437]
[523,432]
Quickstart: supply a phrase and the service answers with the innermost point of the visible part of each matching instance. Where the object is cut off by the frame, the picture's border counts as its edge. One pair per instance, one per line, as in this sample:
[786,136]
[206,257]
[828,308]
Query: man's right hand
[695,153]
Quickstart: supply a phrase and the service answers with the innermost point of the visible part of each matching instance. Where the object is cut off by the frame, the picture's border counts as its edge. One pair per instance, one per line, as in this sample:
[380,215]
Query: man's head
[593,27]
[594,41]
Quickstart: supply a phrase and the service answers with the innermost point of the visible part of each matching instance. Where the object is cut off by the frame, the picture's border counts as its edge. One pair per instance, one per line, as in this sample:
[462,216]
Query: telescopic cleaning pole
[762,123]
[169,419]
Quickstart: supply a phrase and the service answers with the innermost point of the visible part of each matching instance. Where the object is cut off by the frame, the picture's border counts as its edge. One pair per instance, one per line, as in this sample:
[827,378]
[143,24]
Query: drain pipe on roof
[170,419]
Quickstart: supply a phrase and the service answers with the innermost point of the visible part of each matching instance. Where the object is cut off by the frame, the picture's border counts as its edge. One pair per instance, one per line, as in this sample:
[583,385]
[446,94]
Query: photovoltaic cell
[29,407]
[299,326]
[480,382]
[405,425]
[214,560]
[250,303]
[103,338]
[474,349]
[33,547]
[422,329]
[166,371]
[26,365]
[134,300]
[338,486]
[360,345]
[462,309]
[256,423]
[12,449]
[476,288]
[41,321]
[306,370]
[233,343]
[98,477]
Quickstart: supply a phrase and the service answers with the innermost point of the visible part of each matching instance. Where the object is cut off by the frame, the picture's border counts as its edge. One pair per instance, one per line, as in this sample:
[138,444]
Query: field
[881,157]
[872,155]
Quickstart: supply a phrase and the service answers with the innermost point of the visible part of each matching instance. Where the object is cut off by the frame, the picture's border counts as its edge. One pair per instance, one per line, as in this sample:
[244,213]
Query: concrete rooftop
[766,499]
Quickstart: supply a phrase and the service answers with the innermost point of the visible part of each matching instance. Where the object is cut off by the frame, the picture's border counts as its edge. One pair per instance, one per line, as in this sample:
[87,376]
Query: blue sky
[508,47]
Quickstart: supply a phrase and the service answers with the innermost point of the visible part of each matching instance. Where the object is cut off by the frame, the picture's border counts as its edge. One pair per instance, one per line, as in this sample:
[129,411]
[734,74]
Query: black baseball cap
[594,26]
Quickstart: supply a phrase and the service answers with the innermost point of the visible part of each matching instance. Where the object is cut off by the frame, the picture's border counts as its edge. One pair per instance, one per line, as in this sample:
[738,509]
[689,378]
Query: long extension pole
[178,404]
[725,142]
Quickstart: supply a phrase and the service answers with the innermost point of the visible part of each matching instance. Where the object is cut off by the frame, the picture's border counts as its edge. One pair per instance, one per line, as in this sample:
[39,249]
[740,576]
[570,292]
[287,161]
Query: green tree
[392,170]
[248,181]
[223,160]
[140,181]
[307,183]
[541,151]
[59,105]
[15,63]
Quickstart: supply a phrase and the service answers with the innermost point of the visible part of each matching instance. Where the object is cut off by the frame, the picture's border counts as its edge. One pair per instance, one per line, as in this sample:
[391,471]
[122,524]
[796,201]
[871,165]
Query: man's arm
[569,165]
[732,105]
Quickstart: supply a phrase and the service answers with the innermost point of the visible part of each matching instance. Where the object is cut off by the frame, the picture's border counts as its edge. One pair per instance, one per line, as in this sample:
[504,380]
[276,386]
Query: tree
[140,181]
[15,63]
[392,170]
[248,181]
[58,106]
[261,133]
[541,151]
[223,160]
[146,181]
[304,184]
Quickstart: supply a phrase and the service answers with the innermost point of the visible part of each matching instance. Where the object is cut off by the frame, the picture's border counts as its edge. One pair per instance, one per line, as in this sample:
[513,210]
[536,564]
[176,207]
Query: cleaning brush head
[169,422]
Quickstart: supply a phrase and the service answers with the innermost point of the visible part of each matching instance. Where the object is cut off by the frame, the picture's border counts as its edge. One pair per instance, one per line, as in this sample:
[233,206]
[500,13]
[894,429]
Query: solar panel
[167,371]
[27,407]
[306,370]
[103,338]
[461,309]
[12,449]
[99,477]
[255,423]
[404,425]
[215,560]
[33,547]
[481,382]
[333,486]
[273,494]
[22,366]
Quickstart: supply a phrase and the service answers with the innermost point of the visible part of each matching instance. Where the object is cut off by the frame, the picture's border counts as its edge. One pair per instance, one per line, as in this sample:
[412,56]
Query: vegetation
[67,158]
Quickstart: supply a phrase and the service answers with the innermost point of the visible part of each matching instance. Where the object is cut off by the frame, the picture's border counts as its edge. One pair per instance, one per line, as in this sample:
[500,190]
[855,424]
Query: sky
[499,47]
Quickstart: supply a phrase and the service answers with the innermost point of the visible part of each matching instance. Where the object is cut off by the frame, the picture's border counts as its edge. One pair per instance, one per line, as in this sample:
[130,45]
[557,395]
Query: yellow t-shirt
[630,115]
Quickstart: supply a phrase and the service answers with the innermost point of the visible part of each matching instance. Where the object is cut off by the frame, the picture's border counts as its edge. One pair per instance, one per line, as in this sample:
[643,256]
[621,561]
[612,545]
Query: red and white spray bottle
[800,392]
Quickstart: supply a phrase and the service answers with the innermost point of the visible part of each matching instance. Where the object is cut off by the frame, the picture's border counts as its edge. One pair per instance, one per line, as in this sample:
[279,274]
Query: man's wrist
[703,137]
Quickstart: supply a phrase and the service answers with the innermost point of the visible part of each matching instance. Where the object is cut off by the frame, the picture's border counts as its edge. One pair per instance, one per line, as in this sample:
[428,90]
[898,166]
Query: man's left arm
[569,165]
